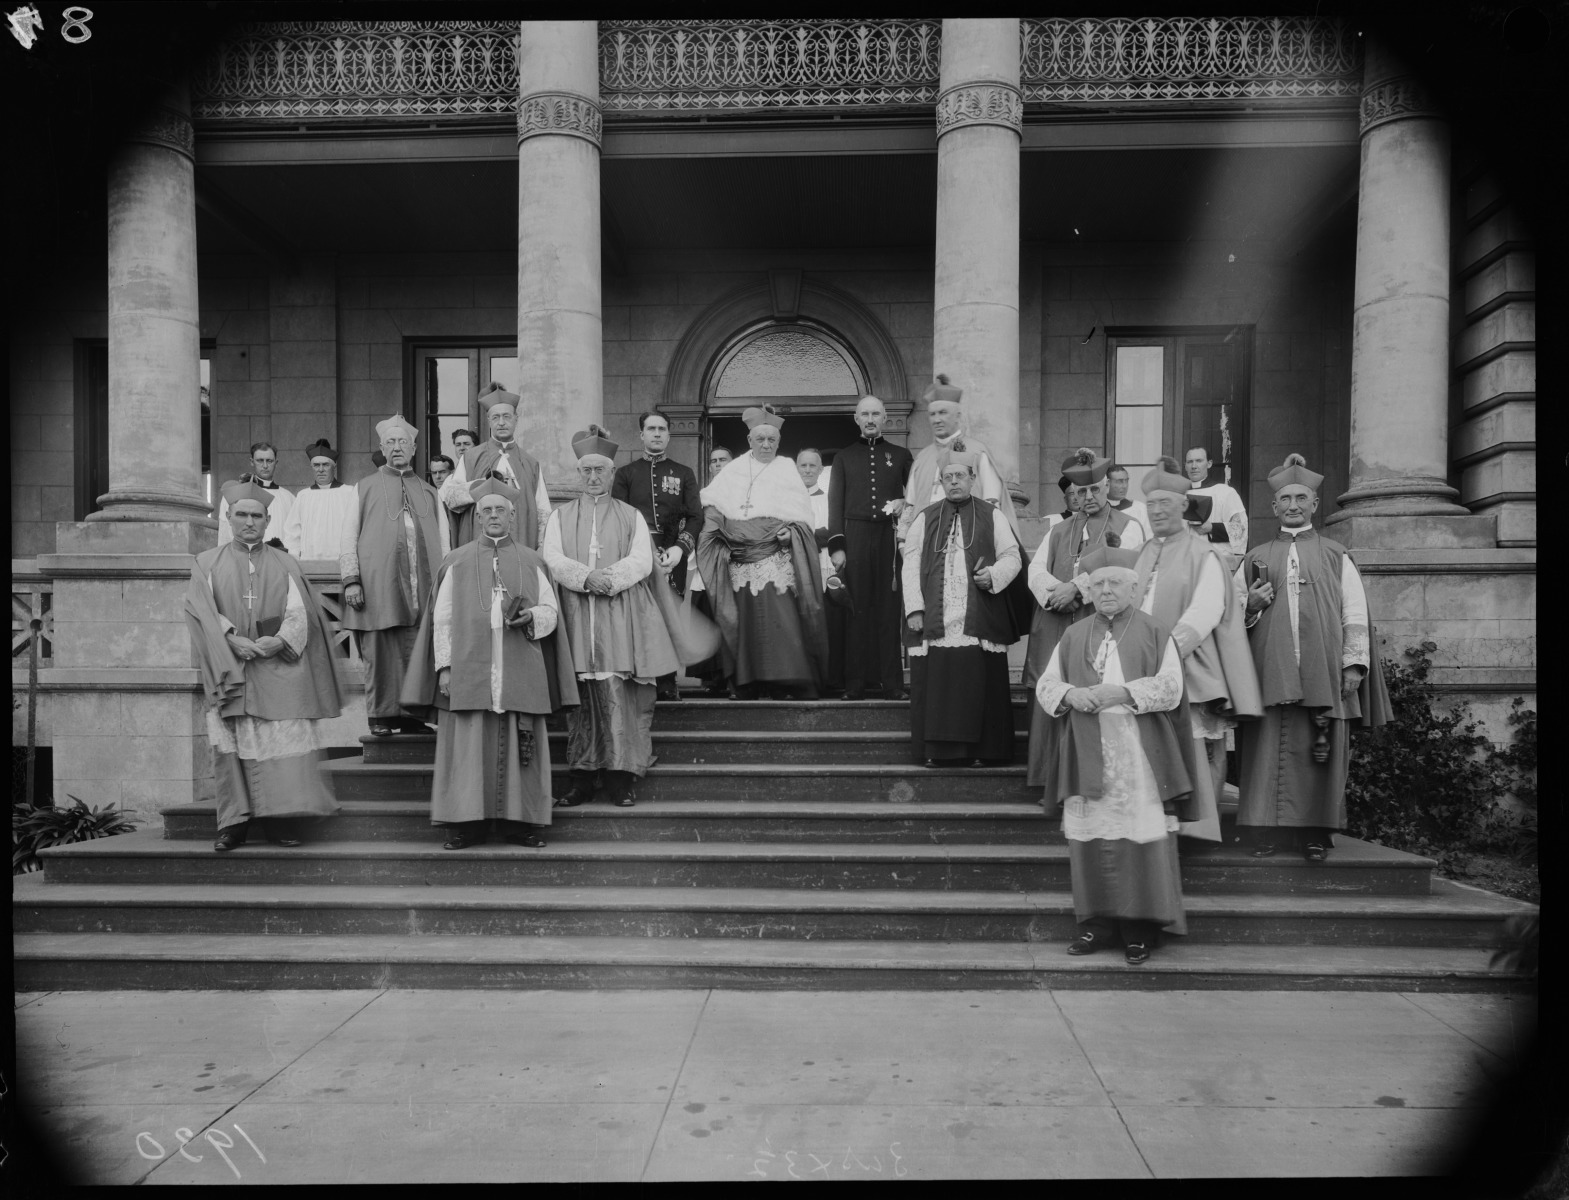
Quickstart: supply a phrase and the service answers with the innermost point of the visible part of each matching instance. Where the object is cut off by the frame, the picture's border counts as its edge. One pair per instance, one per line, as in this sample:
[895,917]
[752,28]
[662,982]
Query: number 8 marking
[76,25]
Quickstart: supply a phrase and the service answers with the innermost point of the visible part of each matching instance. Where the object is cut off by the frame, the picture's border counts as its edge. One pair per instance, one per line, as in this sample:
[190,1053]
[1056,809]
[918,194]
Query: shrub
[1431,781]
[36,828]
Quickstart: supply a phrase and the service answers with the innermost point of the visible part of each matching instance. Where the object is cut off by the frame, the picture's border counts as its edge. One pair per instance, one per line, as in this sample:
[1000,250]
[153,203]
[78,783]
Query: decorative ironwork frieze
[1395,99]
[1187,60]
[167,127]
[559,112]
[360,71]
[678,66]
[980,104]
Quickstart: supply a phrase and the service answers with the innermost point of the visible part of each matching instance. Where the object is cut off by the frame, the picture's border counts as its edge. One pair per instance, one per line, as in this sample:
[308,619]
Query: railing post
[36,626]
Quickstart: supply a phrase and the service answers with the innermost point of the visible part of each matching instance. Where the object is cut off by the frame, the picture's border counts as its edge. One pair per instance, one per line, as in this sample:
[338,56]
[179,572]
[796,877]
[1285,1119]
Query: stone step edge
[734,736]
[709,809]
[355,766]
[1448,905]
[1304,962]
[145,844]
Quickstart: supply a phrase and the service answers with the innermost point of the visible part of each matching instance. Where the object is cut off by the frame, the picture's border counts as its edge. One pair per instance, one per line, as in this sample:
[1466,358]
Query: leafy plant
[35,828]
[1432,782]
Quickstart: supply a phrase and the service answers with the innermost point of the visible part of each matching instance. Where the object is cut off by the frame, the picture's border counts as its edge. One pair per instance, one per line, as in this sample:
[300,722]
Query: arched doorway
[806,371]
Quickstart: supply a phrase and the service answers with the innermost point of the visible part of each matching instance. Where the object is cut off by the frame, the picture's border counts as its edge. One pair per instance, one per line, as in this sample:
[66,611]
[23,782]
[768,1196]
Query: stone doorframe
[785,296]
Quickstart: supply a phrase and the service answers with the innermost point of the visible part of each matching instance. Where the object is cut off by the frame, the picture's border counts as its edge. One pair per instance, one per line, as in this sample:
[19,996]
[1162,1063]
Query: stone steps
[899,783]
[712,746]
[139,858]
[801,716]
[691,821]
[47,962]
[1454,917]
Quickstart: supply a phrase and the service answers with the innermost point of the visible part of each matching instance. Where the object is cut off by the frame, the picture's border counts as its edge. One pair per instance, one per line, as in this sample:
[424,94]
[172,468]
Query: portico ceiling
[1262,195]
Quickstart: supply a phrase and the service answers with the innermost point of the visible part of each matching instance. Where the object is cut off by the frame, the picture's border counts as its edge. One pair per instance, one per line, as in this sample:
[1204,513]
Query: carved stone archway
[784,297]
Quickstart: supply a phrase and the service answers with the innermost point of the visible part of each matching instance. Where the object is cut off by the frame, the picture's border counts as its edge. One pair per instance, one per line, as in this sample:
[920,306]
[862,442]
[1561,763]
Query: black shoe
[1136,953]
[899,694]
[930,764]
[849,695]
[462,841]
[1084,943]
[667,696]
[231,837]
[580,791]
[381,729]
[1314,852]
[1262,851]
[532,840]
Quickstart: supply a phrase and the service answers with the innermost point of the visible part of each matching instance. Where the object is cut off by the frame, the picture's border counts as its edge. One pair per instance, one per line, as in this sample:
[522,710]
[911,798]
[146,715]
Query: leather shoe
[849,695]
[1262,851]
[900,694]
[1136,953]
[381,729]
[667,696]
[1084,943]
[526,839]
[231,838]
[930,764]
[1314,852]
[462,841]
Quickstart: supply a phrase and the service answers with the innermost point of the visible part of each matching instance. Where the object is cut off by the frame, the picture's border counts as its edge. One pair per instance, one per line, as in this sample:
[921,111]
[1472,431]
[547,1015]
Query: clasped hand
[246,649]
[1064,596]
[598,581]
[1093,699]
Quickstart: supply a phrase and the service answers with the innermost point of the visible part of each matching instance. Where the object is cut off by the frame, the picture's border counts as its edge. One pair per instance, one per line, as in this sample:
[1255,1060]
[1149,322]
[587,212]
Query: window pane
[505,372]
[1138,434]
[449,387]
[1140,375]
[787,363]
[1136,473]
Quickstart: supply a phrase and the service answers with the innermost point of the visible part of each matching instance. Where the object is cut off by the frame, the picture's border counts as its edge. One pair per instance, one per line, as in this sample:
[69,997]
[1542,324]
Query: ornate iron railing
[328,586]
[676,66]
[32,597]
[361,70]
[349,71]
[1188,60]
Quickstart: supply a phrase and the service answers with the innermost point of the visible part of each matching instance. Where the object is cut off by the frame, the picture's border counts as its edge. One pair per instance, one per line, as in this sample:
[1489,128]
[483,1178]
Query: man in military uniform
[865,498]
[665,492]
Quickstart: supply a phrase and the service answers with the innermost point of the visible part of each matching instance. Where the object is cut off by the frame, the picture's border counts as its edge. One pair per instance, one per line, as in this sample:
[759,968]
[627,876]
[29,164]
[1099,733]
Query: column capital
[1396,98]
[986,102]
[566,113]
[166,126]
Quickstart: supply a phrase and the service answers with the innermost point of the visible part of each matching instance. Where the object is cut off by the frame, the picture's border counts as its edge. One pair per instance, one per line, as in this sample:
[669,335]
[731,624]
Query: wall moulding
[559,113]
[980,104]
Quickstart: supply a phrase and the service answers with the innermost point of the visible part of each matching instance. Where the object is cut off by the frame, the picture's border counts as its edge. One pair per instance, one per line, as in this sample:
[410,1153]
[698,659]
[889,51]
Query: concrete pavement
[443,1086]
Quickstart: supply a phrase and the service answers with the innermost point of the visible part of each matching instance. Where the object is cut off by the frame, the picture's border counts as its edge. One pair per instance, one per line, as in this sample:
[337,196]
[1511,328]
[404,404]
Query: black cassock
[866,476]
[665,492]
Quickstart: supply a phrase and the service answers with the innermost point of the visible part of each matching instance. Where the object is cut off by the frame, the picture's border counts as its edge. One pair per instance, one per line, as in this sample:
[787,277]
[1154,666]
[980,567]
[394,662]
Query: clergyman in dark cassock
[601,556]
[265,657]
[388,569]
[500,456]
[1059,583]
[758,555]
[865,499]
[665,492]
[959,556]
[836,595]
[1185,583]
[1318,670]
[1121,746]
[487,668]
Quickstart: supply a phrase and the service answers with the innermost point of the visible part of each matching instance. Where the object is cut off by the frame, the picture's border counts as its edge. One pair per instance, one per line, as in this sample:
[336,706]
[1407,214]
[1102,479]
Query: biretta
[385,429]
[942,390]
[495,394]
[1107,556]
[593,441]
[494,487]
[766,415]
[1294,470]
[236,490]
[964,458]
[320,449]
[1083,468]
[1166,476]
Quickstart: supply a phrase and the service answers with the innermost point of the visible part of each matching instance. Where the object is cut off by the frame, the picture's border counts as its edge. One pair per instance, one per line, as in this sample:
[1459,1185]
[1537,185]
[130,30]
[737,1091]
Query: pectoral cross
[1294,580]
[250,596]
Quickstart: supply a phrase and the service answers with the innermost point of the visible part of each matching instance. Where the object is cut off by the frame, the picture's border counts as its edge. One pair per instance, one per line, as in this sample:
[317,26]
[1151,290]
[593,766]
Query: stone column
[1400,329]
[155,467]
[560,334]
[124,698]
[975,323]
